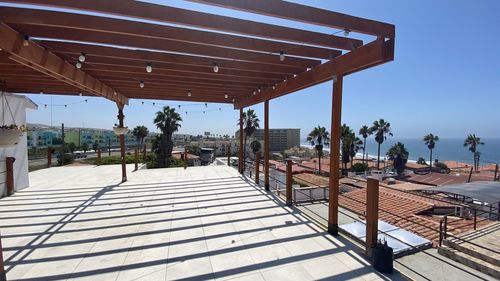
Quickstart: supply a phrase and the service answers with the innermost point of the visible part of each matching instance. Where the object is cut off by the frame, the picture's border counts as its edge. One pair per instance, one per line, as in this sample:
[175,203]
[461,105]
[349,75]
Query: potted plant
[120,130]
[9,134]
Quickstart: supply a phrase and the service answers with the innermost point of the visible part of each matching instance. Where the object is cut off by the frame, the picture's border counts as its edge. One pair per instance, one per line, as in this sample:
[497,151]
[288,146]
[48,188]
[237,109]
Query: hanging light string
[45,105]
[178,107]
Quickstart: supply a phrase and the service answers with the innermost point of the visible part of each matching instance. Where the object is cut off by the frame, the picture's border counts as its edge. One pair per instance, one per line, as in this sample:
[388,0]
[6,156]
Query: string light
[258,89]
[254,93]
[226,96]
[282,55]
[179,106]
[149,67]
[81,58]
[80,94]
[206,105]
[189,93]
[346,32]
[233,100]
[216,67]
[274,87]
[78,65]
[26,41]
[41,92]
[142,103]
[141,84]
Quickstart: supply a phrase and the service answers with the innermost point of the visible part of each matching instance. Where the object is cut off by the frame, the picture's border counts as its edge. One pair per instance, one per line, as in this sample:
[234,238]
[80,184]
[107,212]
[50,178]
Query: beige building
[279,139]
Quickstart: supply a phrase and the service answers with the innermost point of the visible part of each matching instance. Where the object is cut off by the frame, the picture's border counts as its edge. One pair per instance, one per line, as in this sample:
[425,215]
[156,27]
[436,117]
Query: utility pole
[63,144]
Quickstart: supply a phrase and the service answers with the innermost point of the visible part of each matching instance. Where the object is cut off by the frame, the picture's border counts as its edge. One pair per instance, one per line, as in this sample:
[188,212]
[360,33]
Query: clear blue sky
[445,78]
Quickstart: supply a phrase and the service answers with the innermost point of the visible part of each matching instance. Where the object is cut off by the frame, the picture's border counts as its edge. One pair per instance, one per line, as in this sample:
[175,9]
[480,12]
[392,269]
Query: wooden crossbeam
[148,11]
[157,57]
[374,53]
[307,14]
[63,33]
[38,58]
[148,30]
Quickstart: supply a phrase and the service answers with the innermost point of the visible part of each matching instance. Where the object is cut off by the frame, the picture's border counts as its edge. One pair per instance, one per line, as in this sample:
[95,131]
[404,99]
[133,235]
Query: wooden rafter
[148,30]
[374,53]
[142,10]
[298,12]
[63,33]
[38,58]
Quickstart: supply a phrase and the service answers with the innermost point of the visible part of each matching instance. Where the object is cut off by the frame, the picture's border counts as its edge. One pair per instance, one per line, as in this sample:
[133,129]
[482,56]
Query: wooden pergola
[195,56]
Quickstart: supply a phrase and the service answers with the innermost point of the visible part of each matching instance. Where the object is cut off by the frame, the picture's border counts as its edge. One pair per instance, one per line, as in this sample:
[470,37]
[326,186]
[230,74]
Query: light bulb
[189,93]
[206,105]
[282,55]
[26,41]
[41,92]
[141,84]
[80,94]
[149,68]
[216,67]
[274,87]
[226,96]
[81,57]
[78,65]
[254,93]
[346,32]
[233,99]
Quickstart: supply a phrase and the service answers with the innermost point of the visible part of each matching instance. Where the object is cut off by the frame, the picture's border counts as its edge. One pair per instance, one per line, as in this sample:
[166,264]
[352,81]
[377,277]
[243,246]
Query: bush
[359,167]
[442,166]
[152,162]
[67,159]
[421,161]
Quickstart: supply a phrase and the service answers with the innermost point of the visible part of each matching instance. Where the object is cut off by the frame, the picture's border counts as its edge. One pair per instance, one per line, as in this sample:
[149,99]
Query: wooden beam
[333,181]
[372,194]
[374,53]
[38,58]
[75,49]
[148,11]
[240,153]
[213,52]
[307,14]
[266,145]
[148,30]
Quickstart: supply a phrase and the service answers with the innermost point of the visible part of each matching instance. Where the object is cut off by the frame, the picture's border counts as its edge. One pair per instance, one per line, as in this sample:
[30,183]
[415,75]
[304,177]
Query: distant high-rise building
[279,139]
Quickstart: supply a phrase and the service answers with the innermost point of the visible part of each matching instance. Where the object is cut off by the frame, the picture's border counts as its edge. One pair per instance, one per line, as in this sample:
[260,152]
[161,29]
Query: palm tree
[380,129]
[430,140]
[140,132]
[356,145]
[319,137]
[473,142]
[364,131]
[250,125]
[256,147]
[399,155]
[168,121]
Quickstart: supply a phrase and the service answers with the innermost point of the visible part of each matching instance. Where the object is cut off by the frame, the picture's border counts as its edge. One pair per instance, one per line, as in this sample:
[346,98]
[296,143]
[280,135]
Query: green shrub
[65,160]
[359,167]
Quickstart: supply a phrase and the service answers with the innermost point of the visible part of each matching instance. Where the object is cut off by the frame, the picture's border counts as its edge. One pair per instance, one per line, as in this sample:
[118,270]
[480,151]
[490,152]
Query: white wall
[18,104]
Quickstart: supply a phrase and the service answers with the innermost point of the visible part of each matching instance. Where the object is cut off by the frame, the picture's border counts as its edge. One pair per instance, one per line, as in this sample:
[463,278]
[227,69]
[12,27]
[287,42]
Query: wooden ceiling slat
[307,14]
[139,66]
[374,53]
[148,30]
[146,56]
[63,33]
[148,11]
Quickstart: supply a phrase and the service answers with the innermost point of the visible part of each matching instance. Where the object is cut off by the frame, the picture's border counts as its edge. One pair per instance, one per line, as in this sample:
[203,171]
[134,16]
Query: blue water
[446,149]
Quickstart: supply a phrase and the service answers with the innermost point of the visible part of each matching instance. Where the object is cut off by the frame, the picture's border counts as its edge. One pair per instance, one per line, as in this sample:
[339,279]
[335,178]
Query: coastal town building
[280,139]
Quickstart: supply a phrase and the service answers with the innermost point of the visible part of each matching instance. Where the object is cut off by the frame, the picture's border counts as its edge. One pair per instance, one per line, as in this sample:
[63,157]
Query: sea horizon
[446,149]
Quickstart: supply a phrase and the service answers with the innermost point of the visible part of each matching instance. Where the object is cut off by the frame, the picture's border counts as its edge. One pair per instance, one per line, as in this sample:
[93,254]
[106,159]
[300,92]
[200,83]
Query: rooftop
[198,223]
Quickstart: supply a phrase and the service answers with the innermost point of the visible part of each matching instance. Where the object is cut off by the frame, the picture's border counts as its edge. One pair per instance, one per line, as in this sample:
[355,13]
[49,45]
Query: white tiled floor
[166,224]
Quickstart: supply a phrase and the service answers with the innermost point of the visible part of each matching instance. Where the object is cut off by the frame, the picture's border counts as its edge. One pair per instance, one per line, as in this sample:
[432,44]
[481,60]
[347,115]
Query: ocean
[446,149]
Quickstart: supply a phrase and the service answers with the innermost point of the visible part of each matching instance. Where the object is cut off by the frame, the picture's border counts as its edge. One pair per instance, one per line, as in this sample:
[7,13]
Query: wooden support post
[122,143]
[496,173]
[371,214]
[49,157]
[229,155]
[333,201]
[98,156]
[257,166]
[136,158]
[289,180]
[266,145]
[240,154]
[3,276]
[9,177]
[470,175]
[185,158]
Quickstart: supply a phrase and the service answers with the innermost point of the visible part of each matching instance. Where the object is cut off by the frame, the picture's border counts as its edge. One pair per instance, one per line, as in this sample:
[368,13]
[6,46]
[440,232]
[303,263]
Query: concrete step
[473,250]
[470,261]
